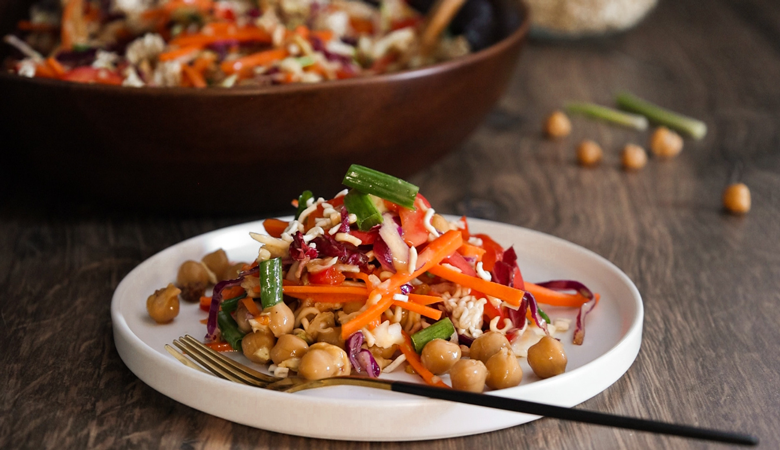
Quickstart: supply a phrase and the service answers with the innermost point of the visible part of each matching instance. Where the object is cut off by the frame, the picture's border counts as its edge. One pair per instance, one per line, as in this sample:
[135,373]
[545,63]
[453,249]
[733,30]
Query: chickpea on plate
[374,280]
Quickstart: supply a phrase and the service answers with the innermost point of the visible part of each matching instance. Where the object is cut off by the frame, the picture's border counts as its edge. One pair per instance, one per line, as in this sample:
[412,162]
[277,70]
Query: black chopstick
[576,415]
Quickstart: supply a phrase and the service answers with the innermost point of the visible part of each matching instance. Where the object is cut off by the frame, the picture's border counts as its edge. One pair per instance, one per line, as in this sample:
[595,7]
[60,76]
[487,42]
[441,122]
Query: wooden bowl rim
[446,66]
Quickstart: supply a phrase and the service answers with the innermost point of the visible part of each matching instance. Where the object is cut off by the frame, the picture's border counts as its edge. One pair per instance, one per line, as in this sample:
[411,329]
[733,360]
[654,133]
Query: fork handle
[576,415]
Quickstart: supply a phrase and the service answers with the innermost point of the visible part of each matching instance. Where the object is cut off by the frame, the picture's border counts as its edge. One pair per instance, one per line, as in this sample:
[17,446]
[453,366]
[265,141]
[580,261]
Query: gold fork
[224,367]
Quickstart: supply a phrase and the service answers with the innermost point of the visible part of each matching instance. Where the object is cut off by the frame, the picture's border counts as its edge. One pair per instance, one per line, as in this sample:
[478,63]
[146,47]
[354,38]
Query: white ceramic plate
[613,337]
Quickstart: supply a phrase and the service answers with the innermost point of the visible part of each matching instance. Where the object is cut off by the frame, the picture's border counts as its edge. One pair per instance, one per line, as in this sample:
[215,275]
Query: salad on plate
[371,281]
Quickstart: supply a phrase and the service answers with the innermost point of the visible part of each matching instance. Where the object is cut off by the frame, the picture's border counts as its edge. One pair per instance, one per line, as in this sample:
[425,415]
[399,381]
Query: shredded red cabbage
[517,316]
[383,254]
[465,340]
[568,285]
[502,273]
[534,309]
[344,251]
[579,328]
[406,288]
[216,300]
[344,228]
[299,250]
[361,359]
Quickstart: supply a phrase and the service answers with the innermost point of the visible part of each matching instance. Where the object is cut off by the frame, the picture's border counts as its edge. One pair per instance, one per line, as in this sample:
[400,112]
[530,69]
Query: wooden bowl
[252,149]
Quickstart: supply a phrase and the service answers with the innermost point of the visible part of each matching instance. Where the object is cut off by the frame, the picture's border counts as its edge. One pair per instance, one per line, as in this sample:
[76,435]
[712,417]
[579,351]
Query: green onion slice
[381,185]
[361,205]
[690,126]
[229,329]
[442,329]
[271,282]
[302,200]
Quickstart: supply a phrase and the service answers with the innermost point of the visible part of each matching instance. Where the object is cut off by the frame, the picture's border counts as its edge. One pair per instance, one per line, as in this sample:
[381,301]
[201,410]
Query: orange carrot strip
[26,25]
[203,62]
[275,227]
[425,299]
[249,303]
[505,293]
[253,60]
[369,315]
[233,292]
[205,303]
[414,360]
[219,346]
[201,39]
[437,250]
[194,76]
[359,276]
[45,71]
[303,31]
[204,321]
[325,289]
[55,66]
[434,314]
[330,298]
[323,35]
[178,53]
[555,298]
[471,251]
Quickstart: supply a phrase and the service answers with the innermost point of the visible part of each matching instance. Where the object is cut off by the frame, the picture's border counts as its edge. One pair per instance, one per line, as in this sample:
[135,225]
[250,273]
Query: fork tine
[227,362]
[216,369]
[213,363]
[183,359]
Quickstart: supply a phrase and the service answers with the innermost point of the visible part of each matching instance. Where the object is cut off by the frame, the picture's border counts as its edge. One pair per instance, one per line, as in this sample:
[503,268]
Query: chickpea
[468,375]
[231,273]
[257,346]
[242,318]
[324,360]
[665,143]
[163,305]
[331,336]
[488,345]
[440,223]
[218,263]
[547,357]
[503,370]
[288,346]
[589,153]
[281,318]
[192,280]
[557,125]
[351,307]
[736,198]
[633,157]
[439,355]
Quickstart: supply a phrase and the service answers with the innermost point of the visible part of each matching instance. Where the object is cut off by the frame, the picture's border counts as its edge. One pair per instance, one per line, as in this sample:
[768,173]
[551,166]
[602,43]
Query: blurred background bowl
[253,149]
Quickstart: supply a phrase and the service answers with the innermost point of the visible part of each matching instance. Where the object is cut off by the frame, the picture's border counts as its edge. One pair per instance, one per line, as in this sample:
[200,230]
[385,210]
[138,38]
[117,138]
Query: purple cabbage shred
[299,250]
[346,253]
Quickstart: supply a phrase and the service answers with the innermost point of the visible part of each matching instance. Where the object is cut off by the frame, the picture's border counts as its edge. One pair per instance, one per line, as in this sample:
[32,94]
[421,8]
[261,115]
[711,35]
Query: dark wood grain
[710,281]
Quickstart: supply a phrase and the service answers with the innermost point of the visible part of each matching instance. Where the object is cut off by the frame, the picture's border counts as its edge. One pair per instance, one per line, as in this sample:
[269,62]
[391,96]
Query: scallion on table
[690,126]
[607,114]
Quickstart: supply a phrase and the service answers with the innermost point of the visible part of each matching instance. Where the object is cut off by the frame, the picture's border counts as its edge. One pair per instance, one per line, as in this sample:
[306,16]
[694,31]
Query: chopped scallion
[361,205]
[690,126]
[302,200]
[381,185]
[608,114]
[442,329]
[271,282]
[230,305]
[229,330]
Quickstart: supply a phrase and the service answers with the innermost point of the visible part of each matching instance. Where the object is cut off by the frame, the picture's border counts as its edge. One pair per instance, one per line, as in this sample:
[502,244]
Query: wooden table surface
[710,281]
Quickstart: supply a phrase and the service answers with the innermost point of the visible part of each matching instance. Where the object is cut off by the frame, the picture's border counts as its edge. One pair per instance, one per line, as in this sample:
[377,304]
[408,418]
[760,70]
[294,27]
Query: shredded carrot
[434,314]
[414,360]
[204,321]
[471,251]
[370,314]
[232,292]
[325,289]
[359,276]
[45,71]
[510,295]
[425,299]
[219,346]
[275,227]
[26,25]
[555,298]
[249,62]
[249,303]
[302,31]
[203,62]
[323,35]
[194,76]
[55,66]
[206,36]
[178,53]
[205,303]
[330,298]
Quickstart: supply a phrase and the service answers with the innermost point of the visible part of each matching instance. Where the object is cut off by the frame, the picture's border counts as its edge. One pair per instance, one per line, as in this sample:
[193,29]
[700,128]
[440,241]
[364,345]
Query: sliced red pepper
[517,281]
[465,231]
[493,252]
[456,260]
[331,276]
[92,75]
[366,237]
